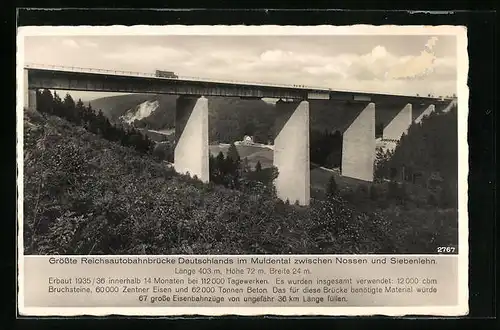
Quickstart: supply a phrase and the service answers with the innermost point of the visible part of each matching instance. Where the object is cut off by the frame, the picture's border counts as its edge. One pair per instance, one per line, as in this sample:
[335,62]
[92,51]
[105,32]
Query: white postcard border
[268,30]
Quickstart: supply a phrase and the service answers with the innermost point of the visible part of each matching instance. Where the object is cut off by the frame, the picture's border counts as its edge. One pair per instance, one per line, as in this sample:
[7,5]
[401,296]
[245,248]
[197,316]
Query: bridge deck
[134,82]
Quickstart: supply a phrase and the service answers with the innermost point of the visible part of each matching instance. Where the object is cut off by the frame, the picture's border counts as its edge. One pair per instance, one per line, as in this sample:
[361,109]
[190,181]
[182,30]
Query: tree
[331,188]
[218,168]
[69,108]
[258,166]
[45,102]
[81,115]
[58,105]
[80,105]
[232,153]
[233,167]
[245,167]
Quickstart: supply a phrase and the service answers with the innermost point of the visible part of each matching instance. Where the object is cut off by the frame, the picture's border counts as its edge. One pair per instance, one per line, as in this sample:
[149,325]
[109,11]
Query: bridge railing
[152,75]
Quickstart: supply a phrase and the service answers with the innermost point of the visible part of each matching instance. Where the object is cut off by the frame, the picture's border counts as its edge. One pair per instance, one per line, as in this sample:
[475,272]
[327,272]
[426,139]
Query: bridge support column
[30,99]
[430,109]
[358,146]
[29,94]
[291,152]
[191,135]
[399,125]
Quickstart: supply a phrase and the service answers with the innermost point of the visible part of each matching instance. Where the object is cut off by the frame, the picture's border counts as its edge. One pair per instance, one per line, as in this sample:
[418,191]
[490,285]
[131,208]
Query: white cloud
[415,67]
[146,54]
[378,52]
[431,43]
[70,43]
[378,69]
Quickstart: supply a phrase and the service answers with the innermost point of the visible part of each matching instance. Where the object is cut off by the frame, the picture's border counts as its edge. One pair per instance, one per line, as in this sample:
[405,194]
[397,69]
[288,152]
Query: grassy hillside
[85,195]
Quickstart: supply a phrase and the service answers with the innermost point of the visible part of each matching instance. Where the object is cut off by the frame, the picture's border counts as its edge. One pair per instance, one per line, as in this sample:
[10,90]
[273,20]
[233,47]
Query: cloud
[376,70]
[70,43]
[331,65]
[431,43]
[147,54]
[416,67]
[378,52]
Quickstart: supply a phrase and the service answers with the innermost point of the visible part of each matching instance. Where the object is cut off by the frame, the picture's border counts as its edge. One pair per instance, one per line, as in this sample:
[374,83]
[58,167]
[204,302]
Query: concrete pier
[291,152]
[31,99]
[358,146]
[191,135]
[29,94]
[399,125]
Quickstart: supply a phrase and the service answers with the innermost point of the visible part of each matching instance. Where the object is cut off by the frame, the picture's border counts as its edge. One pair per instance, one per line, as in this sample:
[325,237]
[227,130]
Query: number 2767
[446,249]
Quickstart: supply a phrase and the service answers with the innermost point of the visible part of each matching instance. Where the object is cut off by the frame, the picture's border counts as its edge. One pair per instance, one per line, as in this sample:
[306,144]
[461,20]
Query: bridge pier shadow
[191,137]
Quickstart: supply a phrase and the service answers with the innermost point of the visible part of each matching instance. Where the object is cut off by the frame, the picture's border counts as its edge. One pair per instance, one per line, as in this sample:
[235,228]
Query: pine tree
[233,166]
[45,102]
[219,168]
[58,105]
[233,155]
[245,166]
[211,167]
[258,166]
[80,111]
[69,108]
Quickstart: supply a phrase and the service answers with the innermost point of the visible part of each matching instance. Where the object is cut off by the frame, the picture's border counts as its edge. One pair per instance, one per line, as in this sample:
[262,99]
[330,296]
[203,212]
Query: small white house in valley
[248,139]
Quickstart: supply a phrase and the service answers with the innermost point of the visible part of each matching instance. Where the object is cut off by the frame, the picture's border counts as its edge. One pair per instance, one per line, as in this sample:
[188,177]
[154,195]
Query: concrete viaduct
[291,144]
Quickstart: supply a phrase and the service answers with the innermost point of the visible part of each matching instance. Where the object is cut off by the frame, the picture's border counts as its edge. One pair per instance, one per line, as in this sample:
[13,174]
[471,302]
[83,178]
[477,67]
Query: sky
[411,64]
